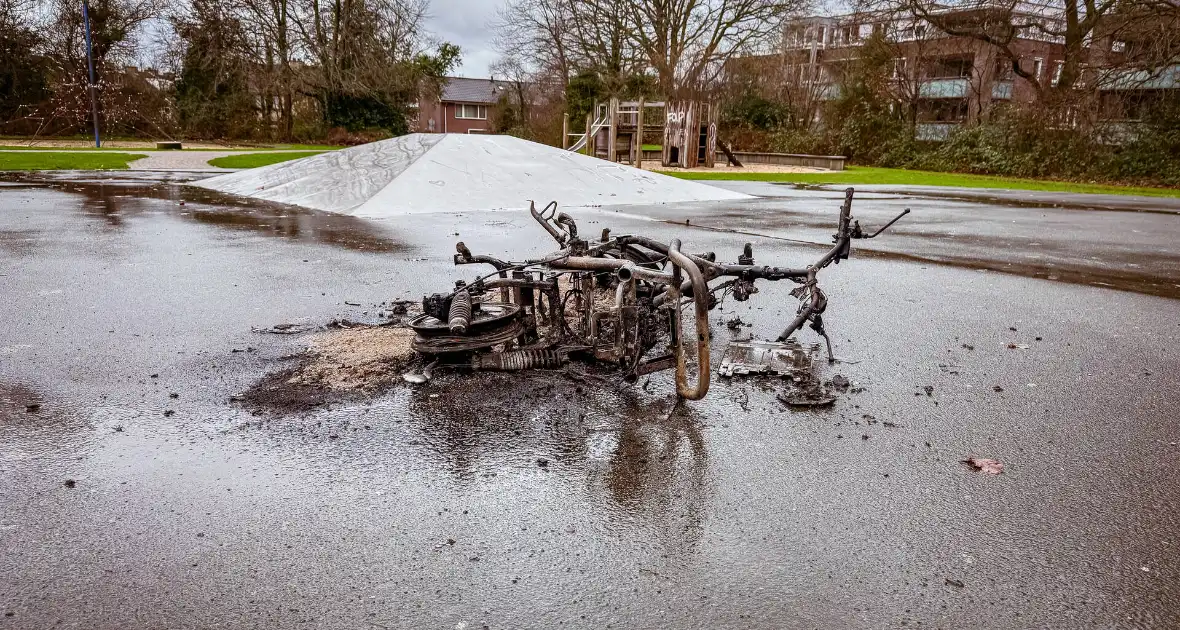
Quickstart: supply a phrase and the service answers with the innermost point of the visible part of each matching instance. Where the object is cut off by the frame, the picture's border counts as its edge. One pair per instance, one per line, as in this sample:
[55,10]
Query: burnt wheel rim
[490,316]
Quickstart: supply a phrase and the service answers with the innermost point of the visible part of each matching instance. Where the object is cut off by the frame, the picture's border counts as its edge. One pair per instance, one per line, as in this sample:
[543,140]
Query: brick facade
[465,106]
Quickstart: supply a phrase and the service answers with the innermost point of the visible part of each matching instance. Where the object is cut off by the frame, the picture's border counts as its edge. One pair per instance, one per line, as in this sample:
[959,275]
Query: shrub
[1151,156]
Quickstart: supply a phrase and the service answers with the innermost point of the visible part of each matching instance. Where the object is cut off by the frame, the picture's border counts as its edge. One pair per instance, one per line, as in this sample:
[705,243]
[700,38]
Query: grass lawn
[253,160]
[47,148]
[110,149]
[49,160]
[280,147]
[873,175]
[307,147]
[653,147]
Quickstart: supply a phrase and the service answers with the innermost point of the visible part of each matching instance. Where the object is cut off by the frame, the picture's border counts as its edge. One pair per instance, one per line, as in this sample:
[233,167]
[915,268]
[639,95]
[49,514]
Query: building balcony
[944,88]
[934,131]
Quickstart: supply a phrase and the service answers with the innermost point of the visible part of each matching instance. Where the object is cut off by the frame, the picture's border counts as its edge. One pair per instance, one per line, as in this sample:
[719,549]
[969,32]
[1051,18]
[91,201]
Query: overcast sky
[465,22]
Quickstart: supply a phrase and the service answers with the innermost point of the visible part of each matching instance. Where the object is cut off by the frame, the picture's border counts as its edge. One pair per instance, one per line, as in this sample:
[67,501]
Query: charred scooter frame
[611,301]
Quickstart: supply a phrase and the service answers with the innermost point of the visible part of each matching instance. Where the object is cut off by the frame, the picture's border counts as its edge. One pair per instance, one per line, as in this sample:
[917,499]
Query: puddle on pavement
[1110,276]
[114,201]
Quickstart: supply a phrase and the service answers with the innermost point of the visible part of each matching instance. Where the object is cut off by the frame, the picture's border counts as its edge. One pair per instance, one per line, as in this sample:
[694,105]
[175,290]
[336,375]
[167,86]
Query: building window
[1003,70]
[899,68]
[1057,72]
[473,112]
[1038,64]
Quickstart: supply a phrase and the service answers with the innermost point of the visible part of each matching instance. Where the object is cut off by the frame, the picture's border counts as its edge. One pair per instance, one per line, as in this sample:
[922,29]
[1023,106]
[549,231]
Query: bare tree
[683,43]
[117,32]
[687,42]
[272,25]
[361,54]
[535,34]
[568,37]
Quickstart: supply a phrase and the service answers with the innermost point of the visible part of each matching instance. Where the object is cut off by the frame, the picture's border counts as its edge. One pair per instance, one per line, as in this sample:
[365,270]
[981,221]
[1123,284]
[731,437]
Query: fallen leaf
[986,466]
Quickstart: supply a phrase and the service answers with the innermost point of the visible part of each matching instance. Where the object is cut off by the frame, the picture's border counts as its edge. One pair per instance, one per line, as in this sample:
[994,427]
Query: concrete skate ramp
[456,172]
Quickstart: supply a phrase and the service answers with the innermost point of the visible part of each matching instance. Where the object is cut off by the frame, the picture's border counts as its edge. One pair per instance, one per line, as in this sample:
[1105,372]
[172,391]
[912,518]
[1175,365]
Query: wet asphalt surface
[429,508]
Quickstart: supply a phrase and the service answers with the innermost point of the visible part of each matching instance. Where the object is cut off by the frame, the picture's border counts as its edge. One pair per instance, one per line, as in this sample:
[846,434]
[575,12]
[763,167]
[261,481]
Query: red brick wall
[445,120]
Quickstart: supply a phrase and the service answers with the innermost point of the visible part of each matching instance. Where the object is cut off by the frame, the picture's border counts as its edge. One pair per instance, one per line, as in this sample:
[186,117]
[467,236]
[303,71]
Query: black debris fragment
[840,383]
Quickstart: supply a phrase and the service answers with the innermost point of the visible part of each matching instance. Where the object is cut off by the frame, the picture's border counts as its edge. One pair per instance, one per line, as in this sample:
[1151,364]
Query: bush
[1019,143]
[1151,156]
[340,136]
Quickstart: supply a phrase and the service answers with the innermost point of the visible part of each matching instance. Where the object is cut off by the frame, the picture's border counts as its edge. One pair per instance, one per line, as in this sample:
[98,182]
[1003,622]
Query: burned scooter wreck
[617,301]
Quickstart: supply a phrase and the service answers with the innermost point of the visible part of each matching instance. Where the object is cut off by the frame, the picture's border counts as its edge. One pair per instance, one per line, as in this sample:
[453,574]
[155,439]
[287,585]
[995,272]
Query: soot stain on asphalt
[23,405]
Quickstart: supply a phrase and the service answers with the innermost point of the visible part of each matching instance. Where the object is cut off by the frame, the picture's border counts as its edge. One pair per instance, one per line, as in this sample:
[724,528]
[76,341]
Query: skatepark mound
[456,172]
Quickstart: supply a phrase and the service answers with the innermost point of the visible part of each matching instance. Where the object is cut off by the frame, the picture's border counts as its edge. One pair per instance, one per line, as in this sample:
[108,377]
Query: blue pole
[90,63]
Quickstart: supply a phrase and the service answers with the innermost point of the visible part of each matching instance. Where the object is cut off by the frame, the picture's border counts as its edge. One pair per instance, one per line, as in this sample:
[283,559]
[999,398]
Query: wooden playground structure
[615,131]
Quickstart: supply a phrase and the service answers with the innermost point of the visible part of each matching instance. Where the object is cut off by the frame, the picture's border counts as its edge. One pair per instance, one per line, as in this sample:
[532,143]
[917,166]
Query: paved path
[181,161]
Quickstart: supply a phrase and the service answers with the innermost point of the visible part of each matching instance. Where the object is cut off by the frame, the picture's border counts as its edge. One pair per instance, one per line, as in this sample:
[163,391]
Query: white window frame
[1038,65]
[900,68]
[1057,72]
[461,111]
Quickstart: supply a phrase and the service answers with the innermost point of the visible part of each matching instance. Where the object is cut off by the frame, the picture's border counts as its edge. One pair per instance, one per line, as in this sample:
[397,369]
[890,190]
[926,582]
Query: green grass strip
[254,160]
[52,161]
[898,176]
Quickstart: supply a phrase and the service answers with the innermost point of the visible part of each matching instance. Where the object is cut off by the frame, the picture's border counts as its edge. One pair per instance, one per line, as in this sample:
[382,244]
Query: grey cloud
[466,23]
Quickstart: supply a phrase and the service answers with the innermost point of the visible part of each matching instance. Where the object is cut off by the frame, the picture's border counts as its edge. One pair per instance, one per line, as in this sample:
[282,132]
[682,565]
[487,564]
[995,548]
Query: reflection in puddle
[114,201]
[657,472]
[644,459]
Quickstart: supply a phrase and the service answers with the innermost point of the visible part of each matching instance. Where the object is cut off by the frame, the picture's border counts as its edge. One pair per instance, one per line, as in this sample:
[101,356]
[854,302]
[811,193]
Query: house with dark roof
[465,106]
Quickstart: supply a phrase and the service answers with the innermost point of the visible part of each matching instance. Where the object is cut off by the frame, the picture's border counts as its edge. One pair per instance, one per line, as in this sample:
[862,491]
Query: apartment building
[946,80]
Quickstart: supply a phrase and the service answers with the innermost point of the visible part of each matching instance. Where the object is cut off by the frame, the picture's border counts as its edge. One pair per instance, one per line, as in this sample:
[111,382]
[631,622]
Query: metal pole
[90,63]
[639,135]
[612,135]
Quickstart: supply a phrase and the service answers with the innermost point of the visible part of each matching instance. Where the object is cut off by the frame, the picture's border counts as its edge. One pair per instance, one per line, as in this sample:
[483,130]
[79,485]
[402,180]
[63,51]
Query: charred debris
[619,301]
